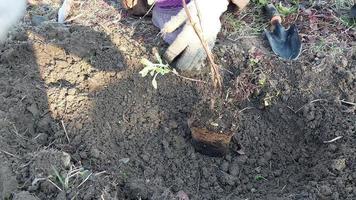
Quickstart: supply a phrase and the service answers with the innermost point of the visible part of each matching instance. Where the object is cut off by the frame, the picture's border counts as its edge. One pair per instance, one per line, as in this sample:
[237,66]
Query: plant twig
[84,180]
[187,78]
[65,131]
[348,102]
[215,74]
[55,185]
[10,154]
[333,140]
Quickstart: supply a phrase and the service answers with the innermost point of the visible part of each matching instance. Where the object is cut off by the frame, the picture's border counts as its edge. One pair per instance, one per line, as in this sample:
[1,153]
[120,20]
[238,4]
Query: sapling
[160,68]
[155,69]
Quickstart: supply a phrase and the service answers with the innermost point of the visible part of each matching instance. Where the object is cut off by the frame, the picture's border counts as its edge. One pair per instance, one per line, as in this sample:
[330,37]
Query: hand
[206,17]
[137,7]
[240,3]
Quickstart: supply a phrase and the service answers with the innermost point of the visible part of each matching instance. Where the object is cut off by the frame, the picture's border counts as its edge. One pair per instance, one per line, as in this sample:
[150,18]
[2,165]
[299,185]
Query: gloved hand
[137,7]
[187,43]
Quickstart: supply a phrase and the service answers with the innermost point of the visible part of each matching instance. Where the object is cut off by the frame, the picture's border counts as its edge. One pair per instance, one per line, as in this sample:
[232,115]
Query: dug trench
[72,97]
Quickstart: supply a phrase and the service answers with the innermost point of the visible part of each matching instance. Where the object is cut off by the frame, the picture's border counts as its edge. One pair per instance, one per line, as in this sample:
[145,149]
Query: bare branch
[215,73]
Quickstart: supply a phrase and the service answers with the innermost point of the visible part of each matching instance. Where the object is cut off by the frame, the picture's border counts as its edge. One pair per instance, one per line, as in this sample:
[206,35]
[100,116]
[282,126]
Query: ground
[77,121]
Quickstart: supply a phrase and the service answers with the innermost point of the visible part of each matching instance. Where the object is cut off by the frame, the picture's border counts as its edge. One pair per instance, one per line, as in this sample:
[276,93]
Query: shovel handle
[273,14]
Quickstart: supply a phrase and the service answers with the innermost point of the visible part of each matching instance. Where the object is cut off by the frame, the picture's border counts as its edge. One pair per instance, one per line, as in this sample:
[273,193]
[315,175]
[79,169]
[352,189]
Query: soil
[73,103]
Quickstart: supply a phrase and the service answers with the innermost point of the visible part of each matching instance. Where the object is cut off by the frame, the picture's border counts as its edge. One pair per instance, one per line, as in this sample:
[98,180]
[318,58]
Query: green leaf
[154,82]
[259,178]
[158,57]
[146,70]
[153,72]
[146,62]
[59,177]
[163,70]
[262,81]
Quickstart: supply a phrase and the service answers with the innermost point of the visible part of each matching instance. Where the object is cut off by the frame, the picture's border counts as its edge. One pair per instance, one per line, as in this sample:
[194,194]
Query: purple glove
[169,3]
[162,13]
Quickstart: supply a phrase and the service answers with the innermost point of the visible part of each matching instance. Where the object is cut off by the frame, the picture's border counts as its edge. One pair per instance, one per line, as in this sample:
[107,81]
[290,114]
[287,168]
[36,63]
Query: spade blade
[285,43]
[353,11]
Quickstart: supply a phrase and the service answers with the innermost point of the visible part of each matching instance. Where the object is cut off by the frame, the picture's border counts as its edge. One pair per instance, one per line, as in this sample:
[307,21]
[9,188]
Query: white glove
[187,42]
[10,13]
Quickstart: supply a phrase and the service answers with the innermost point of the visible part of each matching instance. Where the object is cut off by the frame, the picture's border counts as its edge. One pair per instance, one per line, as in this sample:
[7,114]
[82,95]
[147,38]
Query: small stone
[83,155]
[44,124]
[33,109]
[182,195]
[226,179]
[47,187]
[267,156]
[320,54]
[234,169]
[242,159]
[166,129]
[313,183]
[339,164]
[95,153]
[137,189]
[145,157]
[344,62]
[224,166]
[65,159]
[72,91]
[124,160]
[253,190]
[33,187]
[252,161]
[228,157]
[325,190]
[258,169]
[78,125]
[173,124]
[332,147]
[205,172]
[120,64]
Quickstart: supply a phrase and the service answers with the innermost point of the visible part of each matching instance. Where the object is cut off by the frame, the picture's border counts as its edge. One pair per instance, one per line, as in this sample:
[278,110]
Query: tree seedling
[155,69]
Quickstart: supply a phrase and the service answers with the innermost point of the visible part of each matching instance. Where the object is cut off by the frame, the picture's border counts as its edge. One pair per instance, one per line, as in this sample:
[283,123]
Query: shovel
[284,42]
[353,11]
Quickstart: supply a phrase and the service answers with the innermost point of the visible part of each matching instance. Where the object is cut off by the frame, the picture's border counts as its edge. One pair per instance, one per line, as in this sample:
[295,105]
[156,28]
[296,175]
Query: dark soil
[71,99]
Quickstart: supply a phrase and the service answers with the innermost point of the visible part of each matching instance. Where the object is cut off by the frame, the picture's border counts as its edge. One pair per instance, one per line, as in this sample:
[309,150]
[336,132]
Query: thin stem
[215,74]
